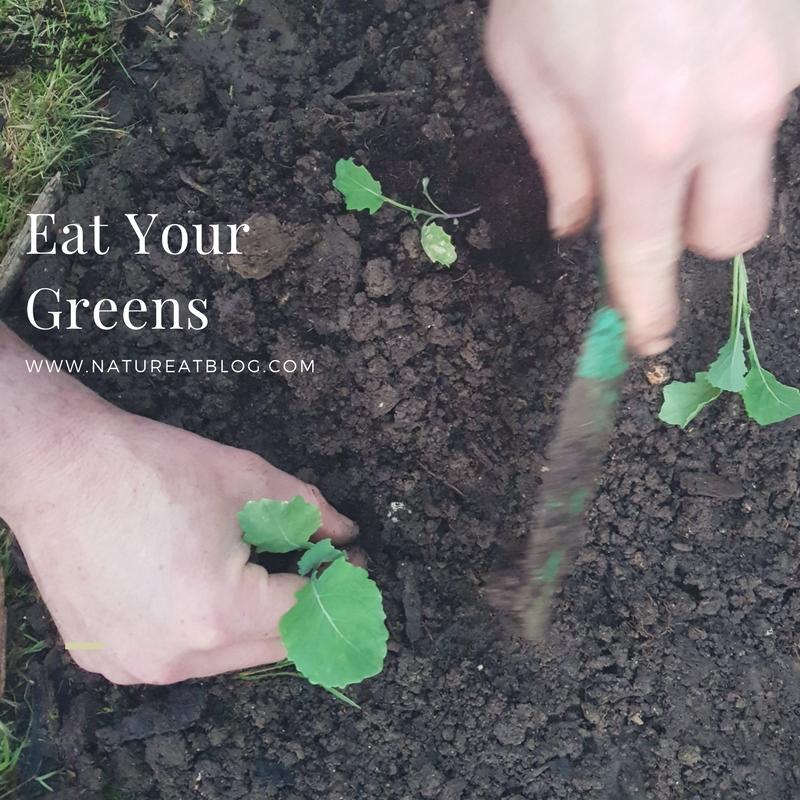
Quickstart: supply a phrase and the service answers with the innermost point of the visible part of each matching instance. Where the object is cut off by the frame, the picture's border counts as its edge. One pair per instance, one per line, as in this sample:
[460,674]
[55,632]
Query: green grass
[52,103]
[40,26]
[11,746]
[10,750]
[52,53]
[21,646]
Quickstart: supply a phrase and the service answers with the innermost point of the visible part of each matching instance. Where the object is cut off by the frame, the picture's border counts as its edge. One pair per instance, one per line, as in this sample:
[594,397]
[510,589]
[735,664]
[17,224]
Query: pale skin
[129,529]
[663,115]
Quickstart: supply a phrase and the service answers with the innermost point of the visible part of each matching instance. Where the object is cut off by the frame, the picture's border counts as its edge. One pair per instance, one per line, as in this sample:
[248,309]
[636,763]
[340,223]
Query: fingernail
[352,527]
[357,556]
[568,218]
[346,527]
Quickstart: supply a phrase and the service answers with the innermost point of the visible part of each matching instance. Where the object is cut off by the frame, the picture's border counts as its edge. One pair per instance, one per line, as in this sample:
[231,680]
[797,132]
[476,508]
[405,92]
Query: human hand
[664,113]
[130,532]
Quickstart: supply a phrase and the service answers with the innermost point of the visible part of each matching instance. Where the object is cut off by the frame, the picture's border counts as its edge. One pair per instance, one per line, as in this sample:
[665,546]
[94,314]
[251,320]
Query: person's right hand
[664,112]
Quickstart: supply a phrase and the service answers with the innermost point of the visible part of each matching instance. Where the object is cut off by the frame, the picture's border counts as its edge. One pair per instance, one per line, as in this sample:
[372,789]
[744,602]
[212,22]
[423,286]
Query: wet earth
[672,667]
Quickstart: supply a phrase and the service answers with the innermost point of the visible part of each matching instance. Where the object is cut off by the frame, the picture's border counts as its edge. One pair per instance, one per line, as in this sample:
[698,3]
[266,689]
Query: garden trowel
[574,461]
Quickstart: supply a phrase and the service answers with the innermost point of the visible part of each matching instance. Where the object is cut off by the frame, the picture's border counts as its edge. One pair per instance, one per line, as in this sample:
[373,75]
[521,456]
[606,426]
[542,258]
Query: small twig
[193,184]
[119,61]
[443,480]
[378,97]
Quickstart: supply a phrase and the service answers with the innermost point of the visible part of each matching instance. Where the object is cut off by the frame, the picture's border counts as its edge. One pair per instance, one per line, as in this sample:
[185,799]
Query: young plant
[363,193]
[766,400]
[335,634]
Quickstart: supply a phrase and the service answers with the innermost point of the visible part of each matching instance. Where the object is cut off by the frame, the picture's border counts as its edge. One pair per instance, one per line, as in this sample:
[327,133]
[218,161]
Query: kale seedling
[335,634]
[766,400]
[363,193]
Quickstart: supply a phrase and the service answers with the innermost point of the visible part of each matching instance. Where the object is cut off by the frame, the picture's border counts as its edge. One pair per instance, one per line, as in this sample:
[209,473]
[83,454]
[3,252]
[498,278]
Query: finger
[268,481]
[732,192]
[642,214]
[335,526]
[250,622]
[784,31]
[258,602]
[235,657]
[731,198]
[357,556]
[792,45]
[552,130]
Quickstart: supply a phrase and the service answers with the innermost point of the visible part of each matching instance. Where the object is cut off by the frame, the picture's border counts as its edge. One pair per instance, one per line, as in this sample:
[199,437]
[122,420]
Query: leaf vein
[329,618]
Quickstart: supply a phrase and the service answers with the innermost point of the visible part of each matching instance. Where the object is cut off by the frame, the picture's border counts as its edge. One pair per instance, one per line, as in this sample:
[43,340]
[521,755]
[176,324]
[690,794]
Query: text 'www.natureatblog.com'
[170,366]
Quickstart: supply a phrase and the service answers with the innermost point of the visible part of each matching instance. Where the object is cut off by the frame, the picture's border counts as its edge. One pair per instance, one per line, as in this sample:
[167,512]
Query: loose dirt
[672,670]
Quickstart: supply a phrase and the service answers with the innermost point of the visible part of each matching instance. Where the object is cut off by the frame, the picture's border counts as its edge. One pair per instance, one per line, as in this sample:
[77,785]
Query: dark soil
[672,669]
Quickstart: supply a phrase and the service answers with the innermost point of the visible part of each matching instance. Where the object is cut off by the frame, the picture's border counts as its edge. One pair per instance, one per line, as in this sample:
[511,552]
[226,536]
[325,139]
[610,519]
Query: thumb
[260,600]
[251,626]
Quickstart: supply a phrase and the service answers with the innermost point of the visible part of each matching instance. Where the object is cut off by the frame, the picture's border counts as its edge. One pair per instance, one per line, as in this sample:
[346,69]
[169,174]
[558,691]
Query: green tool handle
[576,456]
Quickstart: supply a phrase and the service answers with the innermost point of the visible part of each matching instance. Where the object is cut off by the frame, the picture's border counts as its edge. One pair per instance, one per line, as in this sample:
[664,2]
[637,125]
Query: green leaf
[335,634]
[767,400]
[320,552]
[360,190]
[275,526]
[684,401]
[437,244]
[728,370]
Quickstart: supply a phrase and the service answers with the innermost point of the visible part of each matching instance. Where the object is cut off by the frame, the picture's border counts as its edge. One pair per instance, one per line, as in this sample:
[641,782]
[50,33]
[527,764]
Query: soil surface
[672,669]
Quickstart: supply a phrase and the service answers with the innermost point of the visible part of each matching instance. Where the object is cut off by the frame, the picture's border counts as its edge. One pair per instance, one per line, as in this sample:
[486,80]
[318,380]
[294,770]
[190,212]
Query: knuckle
[206,628]
[753,94]
[660,137]
[656,116]
[250,462]
[313,494]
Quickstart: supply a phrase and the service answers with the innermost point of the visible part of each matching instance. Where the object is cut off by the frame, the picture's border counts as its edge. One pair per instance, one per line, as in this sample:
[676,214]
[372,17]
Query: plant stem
[410,209]
[739,304]
[741,274]
[269,674]
[278,668]
[421,212]
[425,182]
[735,282]
[455,216]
